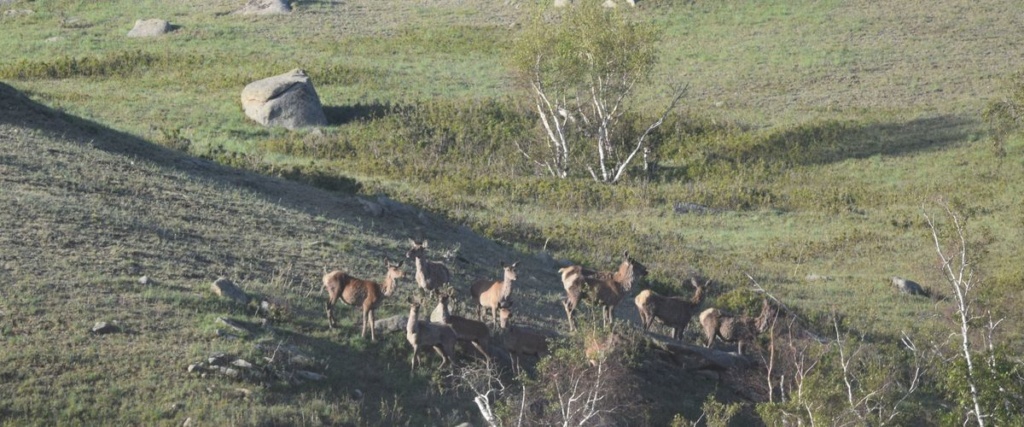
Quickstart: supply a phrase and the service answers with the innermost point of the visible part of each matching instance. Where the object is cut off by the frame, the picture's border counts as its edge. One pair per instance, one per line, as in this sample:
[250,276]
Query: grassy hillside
[819,132]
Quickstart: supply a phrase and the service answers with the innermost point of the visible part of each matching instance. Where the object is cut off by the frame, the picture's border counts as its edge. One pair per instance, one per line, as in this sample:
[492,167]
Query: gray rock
[436,316]
[265,7]
[188,422]
[229,372]
[104,328]
[241,363]
[908,286]
[218,359]
[226,289]
[391,324]
[144,280]
[562,3]
[287,100]
[150,28]
[196,368]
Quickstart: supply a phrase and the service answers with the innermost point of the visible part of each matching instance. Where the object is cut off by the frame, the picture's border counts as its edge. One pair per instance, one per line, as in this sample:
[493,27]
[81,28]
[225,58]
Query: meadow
[819,132]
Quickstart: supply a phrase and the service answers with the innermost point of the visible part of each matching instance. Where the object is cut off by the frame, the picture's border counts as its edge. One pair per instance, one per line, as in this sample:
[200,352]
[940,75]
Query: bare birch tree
[958,271]
[581,67]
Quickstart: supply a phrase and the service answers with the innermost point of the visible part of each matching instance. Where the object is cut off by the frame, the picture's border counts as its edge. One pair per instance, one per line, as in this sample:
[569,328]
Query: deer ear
[424,243]
[514,264]
[400,264]
[625,254]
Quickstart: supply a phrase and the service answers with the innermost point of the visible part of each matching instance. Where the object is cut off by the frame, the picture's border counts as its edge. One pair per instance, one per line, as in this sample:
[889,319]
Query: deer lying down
[421,334]
[358,292]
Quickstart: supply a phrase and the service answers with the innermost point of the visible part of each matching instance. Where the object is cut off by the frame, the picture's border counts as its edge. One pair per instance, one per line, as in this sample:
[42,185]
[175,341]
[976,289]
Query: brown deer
[674,312]
[572,281]
[730,328]
[519,340]
[467,330]
[358,292]
[490,293]
[421,334]
[430,275]
[607,288]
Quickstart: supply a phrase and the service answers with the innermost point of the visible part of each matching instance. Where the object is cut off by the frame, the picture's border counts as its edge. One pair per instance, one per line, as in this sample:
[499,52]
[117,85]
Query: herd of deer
[604,288]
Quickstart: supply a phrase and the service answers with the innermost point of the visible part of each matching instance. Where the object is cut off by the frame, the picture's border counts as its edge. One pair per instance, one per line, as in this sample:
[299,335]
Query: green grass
[818,129]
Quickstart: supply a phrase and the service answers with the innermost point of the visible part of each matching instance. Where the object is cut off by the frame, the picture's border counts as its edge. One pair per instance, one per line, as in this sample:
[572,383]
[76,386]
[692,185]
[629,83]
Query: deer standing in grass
[519,340]
[430,275]
[358,292]
[490,293]
[423,334]
[730,328]
[607,288]
[468,330]
[674,312]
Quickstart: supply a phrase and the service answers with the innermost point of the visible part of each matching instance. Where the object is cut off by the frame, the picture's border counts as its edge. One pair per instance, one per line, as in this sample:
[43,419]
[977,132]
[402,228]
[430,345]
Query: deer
[467,330]
[358,292]
[572,281]
[606,287]
[423,334]
[730,328]
[520,340]
[430,275]
[674,312]
[490,293]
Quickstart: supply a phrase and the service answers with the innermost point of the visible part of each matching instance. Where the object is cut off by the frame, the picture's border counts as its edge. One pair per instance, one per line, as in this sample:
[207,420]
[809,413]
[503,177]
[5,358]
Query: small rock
[230,372]
[218,359]
[391,324]
[195,367]
[226,289]
[144,280]
[312,376]
[356,394]
[243,393]
[817,278]
[177,406]
[242,364]
[104,328]
[265,7]
[188,422]
[150,28]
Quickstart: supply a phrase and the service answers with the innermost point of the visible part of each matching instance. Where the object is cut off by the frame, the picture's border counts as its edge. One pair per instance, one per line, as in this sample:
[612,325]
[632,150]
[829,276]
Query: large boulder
[265,7]
[288,100]
[150,28]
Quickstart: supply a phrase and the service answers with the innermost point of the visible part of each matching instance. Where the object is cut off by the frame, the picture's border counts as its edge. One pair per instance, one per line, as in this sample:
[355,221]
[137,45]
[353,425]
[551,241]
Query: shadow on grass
[339,115]
[820,143]
[18,110]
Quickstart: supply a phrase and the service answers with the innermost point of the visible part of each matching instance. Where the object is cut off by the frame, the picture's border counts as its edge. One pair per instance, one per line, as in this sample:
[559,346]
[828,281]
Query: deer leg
[568,306]
[413,371]
[444,358]
[330,313]
[363,333]
[373,325]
